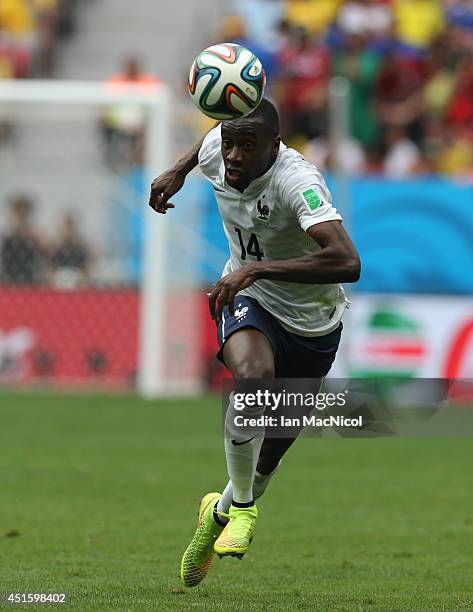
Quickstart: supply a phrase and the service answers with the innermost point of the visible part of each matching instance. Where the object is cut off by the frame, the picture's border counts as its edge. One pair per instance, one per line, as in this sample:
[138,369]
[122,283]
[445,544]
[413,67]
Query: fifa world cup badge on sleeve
[311,198]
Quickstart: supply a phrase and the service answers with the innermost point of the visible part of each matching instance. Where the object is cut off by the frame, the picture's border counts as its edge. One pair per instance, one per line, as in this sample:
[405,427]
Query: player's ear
[275,145]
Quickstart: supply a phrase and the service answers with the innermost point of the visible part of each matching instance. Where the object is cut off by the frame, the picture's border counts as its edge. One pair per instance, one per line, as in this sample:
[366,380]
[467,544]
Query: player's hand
[224,292]
[163,188]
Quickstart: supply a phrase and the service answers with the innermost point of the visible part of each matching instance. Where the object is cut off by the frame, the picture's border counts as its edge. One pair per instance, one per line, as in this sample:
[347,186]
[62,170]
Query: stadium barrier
[77,339]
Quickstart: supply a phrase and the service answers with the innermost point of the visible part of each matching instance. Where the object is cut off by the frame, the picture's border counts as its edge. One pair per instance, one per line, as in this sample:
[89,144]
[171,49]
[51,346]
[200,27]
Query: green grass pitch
[99,496]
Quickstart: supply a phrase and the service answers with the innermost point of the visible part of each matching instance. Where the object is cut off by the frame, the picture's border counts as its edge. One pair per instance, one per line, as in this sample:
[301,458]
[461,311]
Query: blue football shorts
[294,356]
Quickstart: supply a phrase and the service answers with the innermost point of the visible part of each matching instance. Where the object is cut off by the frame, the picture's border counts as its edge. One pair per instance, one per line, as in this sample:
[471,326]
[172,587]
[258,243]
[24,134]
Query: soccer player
[278,305]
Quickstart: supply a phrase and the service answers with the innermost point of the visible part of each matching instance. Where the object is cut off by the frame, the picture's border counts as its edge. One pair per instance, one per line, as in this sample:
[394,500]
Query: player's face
[248,151]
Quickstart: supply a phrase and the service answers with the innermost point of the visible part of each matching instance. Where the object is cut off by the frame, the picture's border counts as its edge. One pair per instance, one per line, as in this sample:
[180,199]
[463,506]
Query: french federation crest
[262,210]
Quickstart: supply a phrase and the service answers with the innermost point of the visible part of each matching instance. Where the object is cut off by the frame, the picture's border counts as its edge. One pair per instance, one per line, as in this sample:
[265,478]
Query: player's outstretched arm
[337,261]
[166,185]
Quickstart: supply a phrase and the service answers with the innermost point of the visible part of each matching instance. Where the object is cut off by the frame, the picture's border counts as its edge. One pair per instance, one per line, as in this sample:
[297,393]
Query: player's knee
[254,368]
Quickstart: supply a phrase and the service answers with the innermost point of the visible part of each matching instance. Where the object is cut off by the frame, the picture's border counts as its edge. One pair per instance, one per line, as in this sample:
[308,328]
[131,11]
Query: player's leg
[248,355]
[307,358]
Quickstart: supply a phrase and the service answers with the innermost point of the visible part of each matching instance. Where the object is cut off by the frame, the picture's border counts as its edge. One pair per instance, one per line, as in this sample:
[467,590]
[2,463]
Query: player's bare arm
[336,262]
[166,185]
[170,182]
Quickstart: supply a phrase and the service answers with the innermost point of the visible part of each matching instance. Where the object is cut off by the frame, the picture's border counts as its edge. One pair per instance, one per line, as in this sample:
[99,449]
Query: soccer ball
[226,81]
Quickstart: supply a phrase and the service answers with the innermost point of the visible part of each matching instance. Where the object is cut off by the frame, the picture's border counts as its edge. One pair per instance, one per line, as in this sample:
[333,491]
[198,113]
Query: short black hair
[267,113]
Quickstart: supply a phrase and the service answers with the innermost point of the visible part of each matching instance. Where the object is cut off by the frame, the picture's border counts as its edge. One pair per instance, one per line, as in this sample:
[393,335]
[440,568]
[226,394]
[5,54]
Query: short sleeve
[306,193]
[210,156]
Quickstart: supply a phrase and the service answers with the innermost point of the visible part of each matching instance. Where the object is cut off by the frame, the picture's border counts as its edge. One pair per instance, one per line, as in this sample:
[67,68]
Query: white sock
[241,466]
[260,485]
[225,501]
[242,448]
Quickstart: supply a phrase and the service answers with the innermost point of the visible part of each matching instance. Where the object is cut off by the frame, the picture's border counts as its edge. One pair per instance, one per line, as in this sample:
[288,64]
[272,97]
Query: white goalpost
[33,104]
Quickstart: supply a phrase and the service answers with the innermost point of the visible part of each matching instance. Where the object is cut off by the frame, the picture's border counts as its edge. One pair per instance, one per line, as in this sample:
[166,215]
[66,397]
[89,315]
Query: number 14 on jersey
[252,247]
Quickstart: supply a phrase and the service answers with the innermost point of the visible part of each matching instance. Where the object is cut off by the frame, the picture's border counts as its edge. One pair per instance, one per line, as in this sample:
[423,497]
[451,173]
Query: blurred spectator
[351,157]
[442,68]
[313,15]
[134,75]
[6,72]
[70,258]
[418,22]
[23,255]
[304,70]
[284,35]
[434,142]
[123,123]
[361,66]
[234,30]
[460,109]
[262,19]
[6,66]
[459,14]
[18,29]
[402,158]
[455,156]
[360,17]
[29,31]
[400,93]
[67,16]
[47,19]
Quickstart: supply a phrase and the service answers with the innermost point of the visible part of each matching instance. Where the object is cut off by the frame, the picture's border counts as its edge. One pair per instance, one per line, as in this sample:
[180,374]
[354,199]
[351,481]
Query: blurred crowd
[29,31]
[26,258]
[409,64]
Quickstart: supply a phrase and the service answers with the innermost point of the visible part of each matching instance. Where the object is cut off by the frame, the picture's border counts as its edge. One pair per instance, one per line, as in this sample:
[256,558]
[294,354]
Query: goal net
[96,289]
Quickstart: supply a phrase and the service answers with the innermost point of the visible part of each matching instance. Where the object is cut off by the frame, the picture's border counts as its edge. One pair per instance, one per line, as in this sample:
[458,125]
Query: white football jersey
[268,221]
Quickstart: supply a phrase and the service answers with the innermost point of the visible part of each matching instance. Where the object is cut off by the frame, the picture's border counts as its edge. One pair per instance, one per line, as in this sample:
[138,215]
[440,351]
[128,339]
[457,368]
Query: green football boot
[198,557]
[238,532]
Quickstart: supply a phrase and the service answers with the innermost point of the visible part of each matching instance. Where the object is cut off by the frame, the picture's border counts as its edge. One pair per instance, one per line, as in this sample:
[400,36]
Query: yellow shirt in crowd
[418,22]
[16,17]
[315,15]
